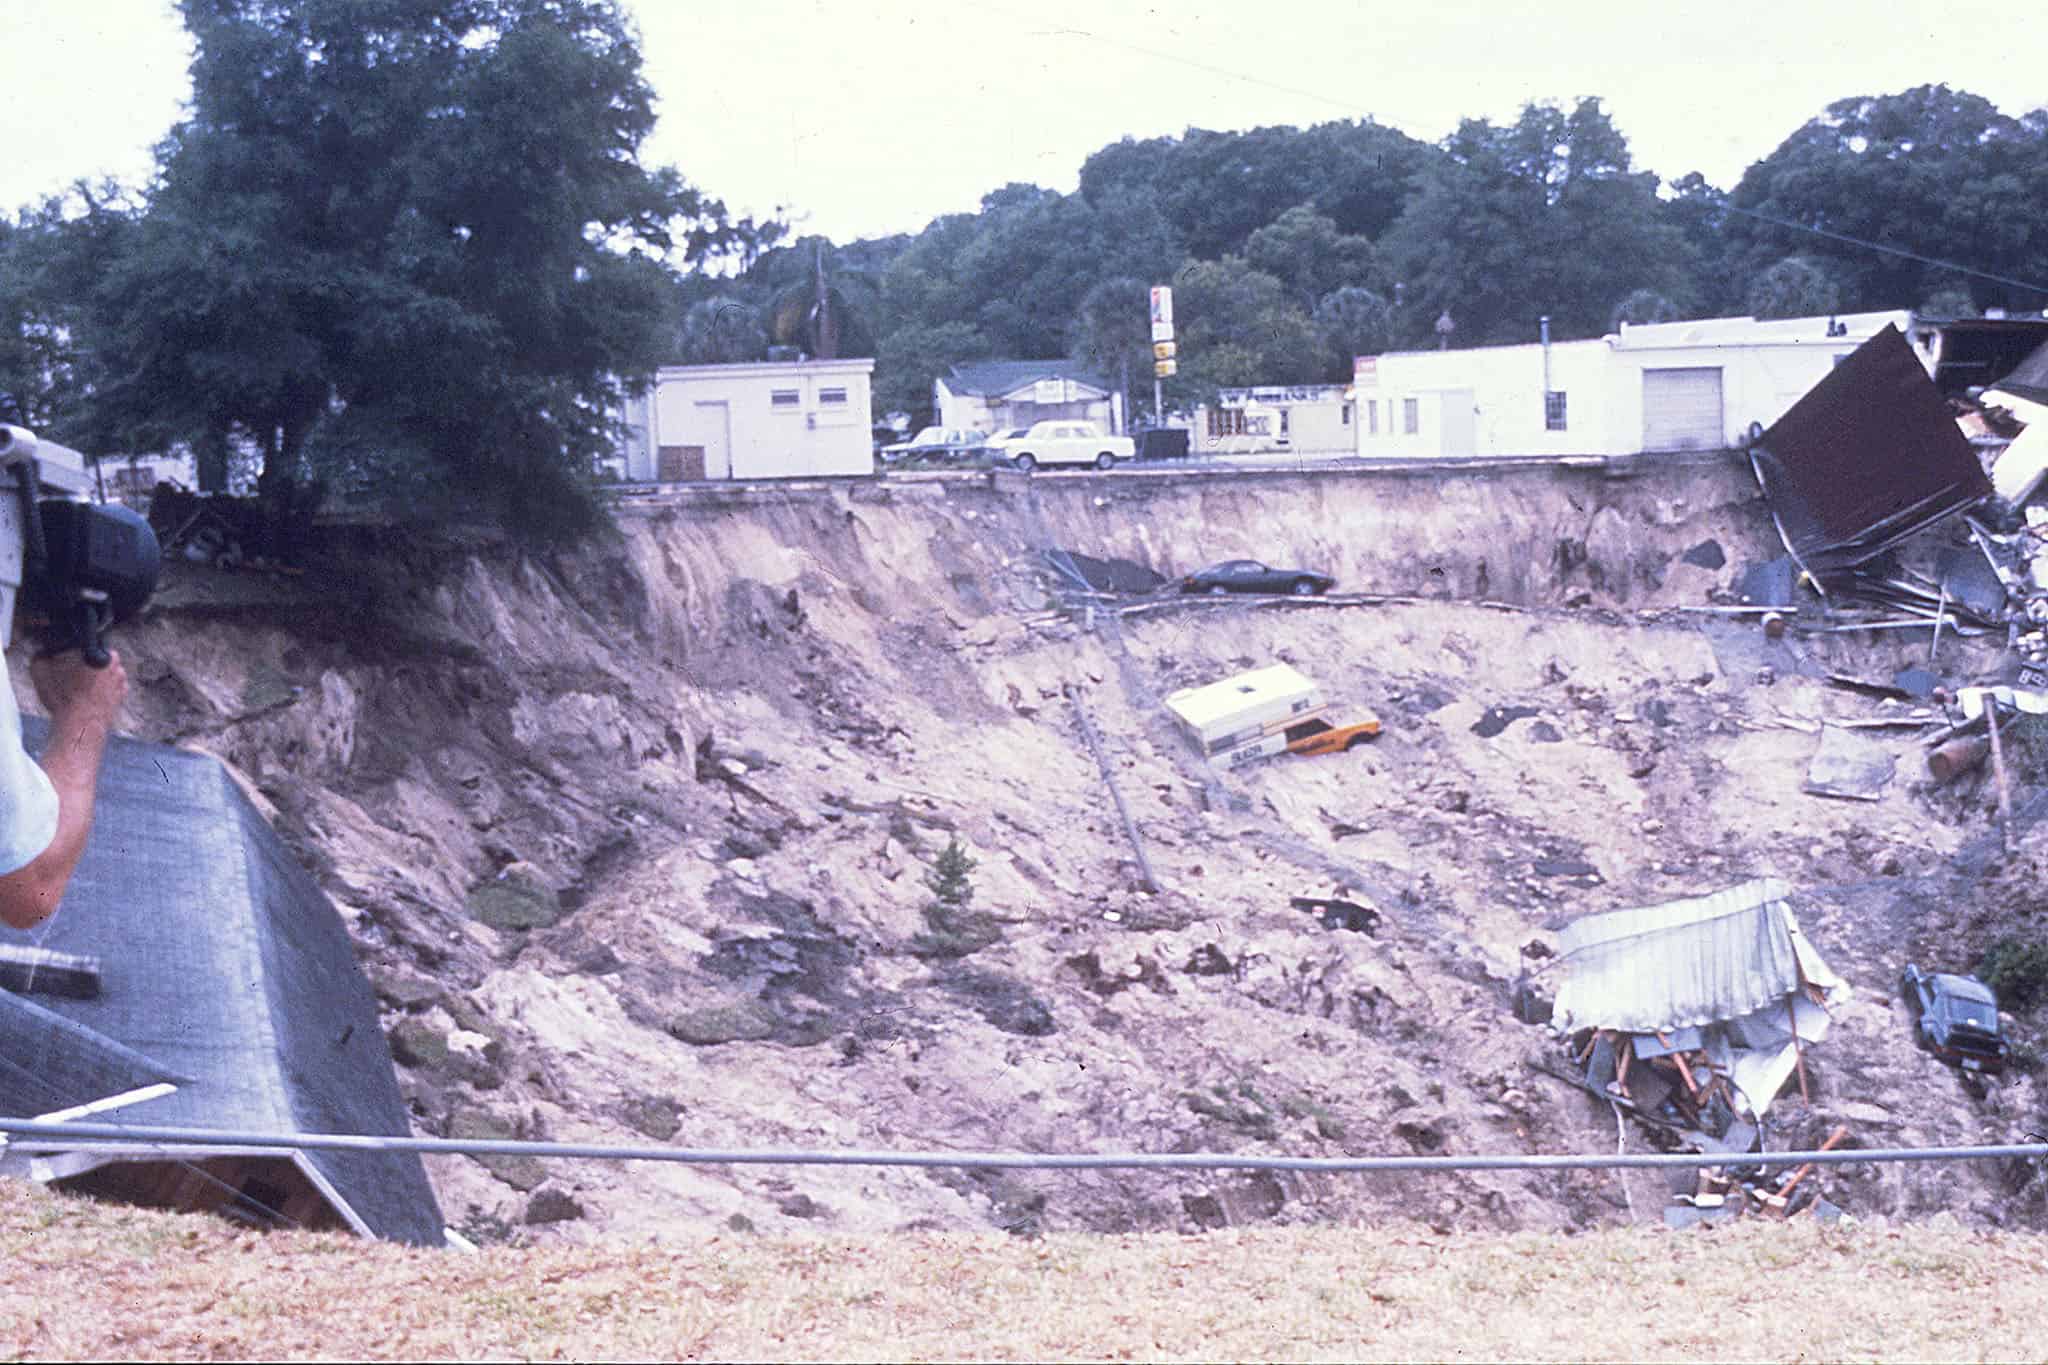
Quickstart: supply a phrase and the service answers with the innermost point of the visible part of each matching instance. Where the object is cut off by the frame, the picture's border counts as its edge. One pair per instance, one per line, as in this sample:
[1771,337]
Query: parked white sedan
[1064,443]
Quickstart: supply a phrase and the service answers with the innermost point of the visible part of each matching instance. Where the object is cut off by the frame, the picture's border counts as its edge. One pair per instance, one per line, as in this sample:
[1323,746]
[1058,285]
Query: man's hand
[78,695]
[84,703]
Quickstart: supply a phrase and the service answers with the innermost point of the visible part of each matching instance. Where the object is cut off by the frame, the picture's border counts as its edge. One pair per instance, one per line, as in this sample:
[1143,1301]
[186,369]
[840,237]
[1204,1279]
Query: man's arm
[83,703]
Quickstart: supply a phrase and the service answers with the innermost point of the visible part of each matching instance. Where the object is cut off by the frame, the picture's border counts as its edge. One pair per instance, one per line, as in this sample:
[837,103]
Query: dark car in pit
[1248,575]
[1955,1018]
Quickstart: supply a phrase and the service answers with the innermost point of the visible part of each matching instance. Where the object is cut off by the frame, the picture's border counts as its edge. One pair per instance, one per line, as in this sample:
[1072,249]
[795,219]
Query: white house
[768,420]
[1305,419]
[1670,386]
[1000,395]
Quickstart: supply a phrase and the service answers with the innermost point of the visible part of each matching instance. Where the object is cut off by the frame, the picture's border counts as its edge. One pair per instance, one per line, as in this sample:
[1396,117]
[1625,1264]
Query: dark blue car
[1248,575]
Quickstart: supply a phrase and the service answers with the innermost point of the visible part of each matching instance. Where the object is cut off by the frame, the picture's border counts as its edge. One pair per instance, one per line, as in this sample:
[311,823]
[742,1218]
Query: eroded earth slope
[634,843]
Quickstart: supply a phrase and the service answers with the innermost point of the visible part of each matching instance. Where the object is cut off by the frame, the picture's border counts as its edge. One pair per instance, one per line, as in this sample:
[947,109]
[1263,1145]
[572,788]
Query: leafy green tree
[1112,335]
[1930,173]
[950,876]
[1542,218]
[1353,322]
[1697,211]
[1948,301]
[405,242]
[1644,305]
[1215,189]
[1796,287]
[1239,327]
[1304,250]
[51,259]
[721,330]
[912,357]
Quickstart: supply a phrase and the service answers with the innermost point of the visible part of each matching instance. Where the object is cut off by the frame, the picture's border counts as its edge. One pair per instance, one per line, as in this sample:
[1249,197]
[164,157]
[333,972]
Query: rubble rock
[517,898]
[415,1042]
[552,1204]
[522,1173]
[737,1022]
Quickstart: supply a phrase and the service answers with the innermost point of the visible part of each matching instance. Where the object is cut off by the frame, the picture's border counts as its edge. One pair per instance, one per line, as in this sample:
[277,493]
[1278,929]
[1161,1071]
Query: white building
[1303,419]
[1668,386]
[131,479]
[769,420]
[1002,395]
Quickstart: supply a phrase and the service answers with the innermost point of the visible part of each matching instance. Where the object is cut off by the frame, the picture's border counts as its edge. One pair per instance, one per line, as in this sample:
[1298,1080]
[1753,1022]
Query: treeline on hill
[409,245]
[1292,250]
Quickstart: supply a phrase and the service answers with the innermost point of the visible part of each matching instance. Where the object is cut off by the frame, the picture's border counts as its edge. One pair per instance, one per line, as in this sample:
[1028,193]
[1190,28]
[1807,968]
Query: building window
[1283,421]
[1411,416]
[1372,418]
[1226,422]
[1553,410]
[1344,415]
[831,395]
[785,400]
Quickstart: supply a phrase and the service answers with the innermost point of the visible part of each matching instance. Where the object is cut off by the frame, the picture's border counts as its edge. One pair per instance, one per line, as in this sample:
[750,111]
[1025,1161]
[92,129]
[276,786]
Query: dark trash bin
[1162,443]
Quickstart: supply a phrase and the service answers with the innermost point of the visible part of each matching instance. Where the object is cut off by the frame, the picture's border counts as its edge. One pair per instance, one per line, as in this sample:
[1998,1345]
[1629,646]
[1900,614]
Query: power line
[27,1131]
[1351,106]
[1888,250]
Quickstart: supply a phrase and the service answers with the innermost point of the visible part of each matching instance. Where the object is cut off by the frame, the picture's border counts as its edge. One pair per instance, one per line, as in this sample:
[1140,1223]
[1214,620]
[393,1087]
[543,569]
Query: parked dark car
[1955,1018]
[1248,575]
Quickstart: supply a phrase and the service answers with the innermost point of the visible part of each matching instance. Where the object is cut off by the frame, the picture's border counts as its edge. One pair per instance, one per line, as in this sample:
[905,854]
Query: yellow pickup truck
[1318,736]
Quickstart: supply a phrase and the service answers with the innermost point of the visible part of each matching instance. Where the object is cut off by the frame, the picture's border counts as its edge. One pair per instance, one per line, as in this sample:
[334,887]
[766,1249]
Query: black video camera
[84,567]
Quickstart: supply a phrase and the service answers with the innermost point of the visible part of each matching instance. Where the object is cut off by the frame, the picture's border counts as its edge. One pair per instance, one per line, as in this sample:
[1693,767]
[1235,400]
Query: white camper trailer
[1250,712]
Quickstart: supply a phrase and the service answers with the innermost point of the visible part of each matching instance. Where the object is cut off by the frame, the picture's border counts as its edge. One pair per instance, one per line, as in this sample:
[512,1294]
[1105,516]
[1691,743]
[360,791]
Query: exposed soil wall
[634,842]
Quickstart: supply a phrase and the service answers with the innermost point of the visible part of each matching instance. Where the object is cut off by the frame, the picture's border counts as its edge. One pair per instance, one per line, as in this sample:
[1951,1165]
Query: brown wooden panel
[679,463]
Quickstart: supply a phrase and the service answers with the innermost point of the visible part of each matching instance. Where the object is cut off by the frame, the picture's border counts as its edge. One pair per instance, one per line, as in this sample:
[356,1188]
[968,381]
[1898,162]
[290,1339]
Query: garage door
[1682,410]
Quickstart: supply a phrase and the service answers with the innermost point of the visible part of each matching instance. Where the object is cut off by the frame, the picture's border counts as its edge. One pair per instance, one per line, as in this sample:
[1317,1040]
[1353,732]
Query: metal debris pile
[1693,1017]
[1871,459]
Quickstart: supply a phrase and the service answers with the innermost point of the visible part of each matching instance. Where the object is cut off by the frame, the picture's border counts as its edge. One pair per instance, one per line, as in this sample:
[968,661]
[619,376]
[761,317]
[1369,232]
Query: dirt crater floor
[635,846]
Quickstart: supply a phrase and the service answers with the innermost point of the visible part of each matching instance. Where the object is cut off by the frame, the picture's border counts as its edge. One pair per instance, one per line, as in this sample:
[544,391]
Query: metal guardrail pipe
[31,1136]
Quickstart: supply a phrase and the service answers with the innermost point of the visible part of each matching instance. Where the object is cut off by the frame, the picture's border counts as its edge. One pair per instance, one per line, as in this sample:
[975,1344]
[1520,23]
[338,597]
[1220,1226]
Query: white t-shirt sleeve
[28,803]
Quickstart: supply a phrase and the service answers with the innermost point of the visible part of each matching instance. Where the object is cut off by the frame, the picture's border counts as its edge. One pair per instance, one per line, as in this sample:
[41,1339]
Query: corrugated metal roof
[1688,962]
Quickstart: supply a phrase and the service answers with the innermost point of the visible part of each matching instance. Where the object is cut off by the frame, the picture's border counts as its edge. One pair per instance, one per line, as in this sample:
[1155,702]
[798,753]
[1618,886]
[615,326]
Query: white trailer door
[1682,410]
[714,424]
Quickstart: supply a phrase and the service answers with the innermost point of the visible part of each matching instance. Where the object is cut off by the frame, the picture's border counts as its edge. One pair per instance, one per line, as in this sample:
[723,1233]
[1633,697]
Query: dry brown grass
[84,1281]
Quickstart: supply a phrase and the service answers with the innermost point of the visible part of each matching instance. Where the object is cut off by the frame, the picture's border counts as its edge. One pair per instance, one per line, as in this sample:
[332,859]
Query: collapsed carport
[1694,1014]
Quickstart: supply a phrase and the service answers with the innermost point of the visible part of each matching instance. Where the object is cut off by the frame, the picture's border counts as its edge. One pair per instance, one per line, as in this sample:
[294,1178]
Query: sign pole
[1162,349]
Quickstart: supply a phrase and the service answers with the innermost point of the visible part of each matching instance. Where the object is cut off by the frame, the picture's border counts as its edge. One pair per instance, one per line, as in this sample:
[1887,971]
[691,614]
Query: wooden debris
[1841,1131]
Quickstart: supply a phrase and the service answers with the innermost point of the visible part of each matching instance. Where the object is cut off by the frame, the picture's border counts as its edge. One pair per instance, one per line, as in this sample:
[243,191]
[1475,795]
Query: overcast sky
[866,119]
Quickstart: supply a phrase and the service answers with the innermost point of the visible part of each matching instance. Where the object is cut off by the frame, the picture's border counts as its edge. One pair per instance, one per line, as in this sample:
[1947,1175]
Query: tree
[1796,287]
[1643,305]
[1930,173]
[721,330]
[1306,252]
[1238,327]
[911,357]
[51,258]
[1112,335]
[1353,322]
[1543,218]
[406,242]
